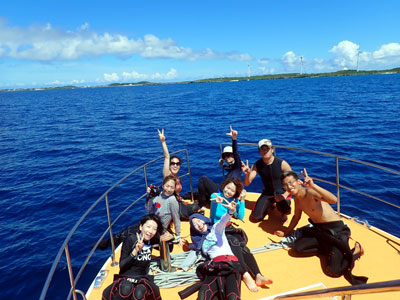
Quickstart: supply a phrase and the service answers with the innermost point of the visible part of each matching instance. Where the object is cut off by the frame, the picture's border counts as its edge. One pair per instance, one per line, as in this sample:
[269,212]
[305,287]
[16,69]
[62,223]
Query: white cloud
[240,56]
[84,26]
[55,82]
[387,54]
[291,61]
[75,81]
[265,70]
[136,76]
[345,54]
[111,77]
[133,76]
[263,61]
[264,66]
[168,76]
[319,65]
[45,43]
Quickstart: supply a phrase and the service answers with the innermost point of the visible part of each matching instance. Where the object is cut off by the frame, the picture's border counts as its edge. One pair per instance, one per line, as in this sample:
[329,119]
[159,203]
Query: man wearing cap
[230,155]
[270,168]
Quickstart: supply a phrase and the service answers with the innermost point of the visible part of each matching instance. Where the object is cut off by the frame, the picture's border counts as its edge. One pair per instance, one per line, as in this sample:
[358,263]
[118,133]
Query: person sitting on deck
[232,190]
[221,275]
[172,165]
[133,280]
[329,235]
[166,207]
[270,168]
[230,155]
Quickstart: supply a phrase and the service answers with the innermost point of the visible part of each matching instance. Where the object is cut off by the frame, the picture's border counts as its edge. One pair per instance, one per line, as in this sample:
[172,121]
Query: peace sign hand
[233,133]
[161,135]
[220,199]
[230,205]
[139,245]
[308,181]
[245,167]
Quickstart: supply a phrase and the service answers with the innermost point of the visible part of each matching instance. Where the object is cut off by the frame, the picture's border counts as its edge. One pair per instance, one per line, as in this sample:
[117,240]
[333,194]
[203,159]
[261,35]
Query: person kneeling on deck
[220,275]
[329,235]
[270,168]
[133,280]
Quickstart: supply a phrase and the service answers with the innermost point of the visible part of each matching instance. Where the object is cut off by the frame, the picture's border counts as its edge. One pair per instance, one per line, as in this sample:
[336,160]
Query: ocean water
[62,149]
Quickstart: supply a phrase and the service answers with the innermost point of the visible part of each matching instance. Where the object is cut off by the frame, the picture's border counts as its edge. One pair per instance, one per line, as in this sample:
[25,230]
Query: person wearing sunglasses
[270,168]
[172,165]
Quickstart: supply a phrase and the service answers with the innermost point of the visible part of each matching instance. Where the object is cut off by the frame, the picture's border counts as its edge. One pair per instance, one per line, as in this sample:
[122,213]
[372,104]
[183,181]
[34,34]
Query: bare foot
[261,280]
[251,285]
[358,249]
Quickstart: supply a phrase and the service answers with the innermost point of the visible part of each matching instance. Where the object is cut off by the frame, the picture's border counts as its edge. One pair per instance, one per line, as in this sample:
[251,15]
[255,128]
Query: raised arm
[232,133]
[250,174]
[325,195]
[221,224]
[161,136]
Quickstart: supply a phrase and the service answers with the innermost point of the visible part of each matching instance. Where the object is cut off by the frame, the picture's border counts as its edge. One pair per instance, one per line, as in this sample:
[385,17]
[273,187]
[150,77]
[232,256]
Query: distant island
[225,79]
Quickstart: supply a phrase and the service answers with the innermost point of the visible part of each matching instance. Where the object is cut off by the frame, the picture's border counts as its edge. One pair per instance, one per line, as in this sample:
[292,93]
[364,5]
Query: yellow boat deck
[381,261]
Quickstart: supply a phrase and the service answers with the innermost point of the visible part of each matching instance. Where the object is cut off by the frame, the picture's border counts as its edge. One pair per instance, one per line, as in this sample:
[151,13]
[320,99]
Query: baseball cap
[227,149]
[264,142]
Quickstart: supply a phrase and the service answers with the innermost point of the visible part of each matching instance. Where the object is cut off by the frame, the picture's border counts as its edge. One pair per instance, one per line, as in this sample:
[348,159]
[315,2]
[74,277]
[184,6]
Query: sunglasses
[173,163]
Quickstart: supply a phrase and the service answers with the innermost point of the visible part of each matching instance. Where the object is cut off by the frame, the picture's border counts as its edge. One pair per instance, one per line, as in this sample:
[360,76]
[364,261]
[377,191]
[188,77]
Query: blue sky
[54,43]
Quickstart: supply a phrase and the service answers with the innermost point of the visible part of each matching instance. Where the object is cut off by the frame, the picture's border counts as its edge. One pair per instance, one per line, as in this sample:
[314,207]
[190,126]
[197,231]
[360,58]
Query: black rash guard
[134,266]
[271,176]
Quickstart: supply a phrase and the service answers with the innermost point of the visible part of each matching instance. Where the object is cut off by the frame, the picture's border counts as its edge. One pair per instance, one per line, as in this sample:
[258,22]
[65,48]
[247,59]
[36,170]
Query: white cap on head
[227,149]
[264,142]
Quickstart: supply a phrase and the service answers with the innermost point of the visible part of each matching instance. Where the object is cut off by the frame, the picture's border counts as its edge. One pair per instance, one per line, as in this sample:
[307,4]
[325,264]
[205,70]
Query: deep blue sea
[62,149]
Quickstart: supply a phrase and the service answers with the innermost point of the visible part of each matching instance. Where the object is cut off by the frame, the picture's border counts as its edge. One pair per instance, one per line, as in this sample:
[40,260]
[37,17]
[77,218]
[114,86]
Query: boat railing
[346,291]
[337,183]
[64,249]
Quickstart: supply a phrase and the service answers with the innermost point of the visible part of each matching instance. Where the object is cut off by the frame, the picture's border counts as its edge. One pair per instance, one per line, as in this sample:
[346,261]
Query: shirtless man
[329,235]
[270,168]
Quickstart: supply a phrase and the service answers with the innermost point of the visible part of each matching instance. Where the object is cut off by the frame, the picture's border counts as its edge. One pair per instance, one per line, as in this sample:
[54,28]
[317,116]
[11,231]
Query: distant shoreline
[222,79]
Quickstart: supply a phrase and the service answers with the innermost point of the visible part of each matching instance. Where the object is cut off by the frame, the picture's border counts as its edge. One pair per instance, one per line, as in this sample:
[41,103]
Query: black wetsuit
[237,239]
[218,280]
[331,242]
[133,278]
[207,186]
[271,178]
[234,170]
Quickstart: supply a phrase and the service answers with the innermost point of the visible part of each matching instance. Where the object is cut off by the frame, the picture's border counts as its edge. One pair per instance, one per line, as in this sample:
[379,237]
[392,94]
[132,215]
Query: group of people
[223,245]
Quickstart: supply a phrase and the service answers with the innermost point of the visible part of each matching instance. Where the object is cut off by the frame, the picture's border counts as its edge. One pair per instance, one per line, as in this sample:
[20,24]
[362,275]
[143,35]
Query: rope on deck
[285,242]
[179,277]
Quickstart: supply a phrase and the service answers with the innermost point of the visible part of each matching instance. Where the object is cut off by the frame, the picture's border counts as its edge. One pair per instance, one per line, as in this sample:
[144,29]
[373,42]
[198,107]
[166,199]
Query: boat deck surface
[381,261]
